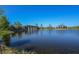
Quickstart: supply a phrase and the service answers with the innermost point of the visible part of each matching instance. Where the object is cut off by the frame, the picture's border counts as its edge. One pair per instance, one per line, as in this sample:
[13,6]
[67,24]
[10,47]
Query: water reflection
[44,41]
[33,32]
[20,43]
[6,39]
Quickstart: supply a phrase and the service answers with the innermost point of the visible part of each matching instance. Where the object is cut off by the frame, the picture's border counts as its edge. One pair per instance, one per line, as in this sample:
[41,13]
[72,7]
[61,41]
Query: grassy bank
[7,50]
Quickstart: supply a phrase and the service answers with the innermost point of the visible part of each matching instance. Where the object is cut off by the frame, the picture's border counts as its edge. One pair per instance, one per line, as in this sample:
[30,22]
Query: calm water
[48,41]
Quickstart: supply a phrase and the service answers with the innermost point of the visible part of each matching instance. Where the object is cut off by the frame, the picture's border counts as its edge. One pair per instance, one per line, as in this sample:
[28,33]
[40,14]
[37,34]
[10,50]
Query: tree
[4,27]
[4,24]
[18,25]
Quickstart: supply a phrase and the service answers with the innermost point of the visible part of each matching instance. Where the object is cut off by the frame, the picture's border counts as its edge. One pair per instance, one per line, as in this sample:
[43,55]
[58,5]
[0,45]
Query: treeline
[5,25]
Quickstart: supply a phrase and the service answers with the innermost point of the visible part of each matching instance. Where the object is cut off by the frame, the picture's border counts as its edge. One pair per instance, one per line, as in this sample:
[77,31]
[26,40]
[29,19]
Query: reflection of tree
[25,32]
[30,47]
[62,32]
[50,32]
[6,39]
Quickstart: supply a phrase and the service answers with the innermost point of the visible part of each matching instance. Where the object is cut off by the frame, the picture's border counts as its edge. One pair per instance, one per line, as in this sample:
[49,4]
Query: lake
[47,41]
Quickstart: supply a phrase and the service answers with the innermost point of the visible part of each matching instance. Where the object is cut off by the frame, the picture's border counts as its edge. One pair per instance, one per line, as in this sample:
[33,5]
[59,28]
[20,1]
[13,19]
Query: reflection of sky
[55,15]
[49,39]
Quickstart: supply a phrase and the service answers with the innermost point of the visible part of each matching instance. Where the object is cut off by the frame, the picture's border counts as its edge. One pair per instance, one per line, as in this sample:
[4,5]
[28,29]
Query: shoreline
[59,29]
[7,50]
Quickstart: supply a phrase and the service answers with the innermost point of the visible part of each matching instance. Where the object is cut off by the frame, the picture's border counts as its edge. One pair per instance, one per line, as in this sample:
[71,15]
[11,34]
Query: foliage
[4,24]
[18,25]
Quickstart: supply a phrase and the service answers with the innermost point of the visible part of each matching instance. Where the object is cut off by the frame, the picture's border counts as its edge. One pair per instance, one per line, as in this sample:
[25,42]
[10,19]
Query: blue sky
[42,14]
